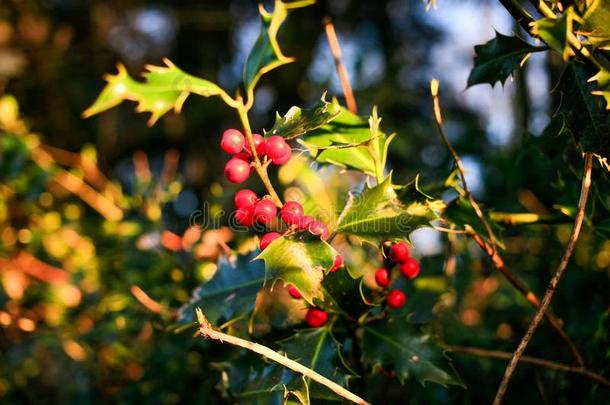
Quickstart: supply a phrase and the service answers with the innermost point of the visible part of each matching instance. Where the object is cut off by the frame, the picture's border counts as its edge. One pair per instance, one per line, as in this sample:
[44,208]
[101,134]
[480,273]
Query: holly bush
[310,255]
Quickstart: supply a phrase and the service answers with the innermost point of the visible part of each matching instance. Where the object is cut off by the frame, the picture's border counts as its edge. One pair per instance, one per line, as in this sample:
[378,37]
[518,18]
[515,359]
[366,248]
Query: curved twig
[205,328]
[335,49]
[548,295]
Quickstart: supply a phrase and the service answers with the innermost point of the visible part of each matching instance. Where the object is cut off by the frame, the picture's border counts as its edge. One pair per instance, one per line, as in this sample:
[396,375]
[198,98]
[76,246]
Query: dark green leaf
[298,121]
[266,54]
[378,214]
[230,293]
[400,346]
[165,87]
[497,59]
[461,213]
[299,261]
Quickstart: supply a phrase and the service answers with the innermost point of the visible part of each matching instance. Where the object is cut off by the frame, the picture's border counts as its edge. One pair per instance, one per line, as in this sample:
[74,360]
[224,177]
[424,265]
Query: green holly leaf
[298,121]
[254,381]
[342,292]
[230,293]
[348,142]
[397,345]
[317,350]
[581,114]
[554,32]
[595,24]
[164,88]
[460,212]
[300,260]
[266,54]
[497,59]
[603,85]
[379,214]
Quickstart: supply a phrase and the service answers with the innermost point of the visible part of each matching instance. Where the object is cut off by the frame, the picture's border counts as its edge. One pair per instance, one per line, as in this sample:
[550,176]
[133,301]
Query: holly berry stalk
[260,169]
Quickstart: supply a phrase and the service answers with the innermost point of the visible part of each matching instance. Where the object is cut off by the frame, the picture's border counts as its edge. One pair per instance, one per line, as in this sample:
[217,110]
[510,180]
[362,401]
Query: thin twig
[500,355]
[206,330]
[335,49]
[548,295]
[490,248]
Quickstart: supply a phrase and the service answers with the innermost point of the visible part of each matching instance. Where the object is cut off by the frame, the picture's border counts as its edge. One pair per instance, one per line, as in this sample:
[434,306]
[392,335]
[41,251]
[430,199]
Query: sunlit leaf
[164,88]
[230,293]
[266,54]
[603,85]
[554,32]
[298,260]
[402,347]
[379,214]
[497,59]
[298,121]
[596,24]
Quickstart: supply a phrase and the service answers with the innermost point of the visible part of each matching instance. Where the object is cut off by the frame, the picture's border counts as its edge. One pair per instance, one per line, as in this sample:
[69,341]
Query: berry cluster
[398,254]
[237,169]
[251,210]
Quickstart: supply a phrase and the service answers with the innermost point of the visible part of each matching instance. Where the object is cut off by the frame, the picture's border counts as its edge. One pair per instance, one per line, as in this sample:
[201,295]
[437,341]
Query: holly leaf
[379,214]
[554,32]
[348,142]
[580,113]
[317,350]
[401,347]
[266,54]
[603,85]
[595,24]
[497,59]
[254,381]
[298,121]
[299,260]
[230,293]
[164,88]
[461,213]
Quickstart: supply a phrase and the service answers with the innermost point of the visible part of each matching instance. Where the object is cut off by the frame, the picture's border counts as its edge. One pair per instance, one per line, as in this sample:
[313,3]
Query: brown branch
[28,264]
[548,295]
[500,355]
[335,49]
[206,330]
[490,248]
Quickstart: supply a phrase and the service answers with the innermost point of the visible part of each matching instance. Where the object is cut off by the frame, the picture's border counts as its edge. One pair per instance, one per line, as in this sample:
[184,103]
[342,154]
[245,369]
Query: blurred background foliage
[95,249]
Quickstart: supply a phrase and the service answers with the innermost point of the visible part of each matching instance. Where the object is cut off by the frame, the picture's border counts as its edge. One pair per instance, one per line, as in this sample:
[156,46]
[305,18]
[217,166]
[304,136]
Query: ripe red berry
[243,216]
[318,228]
[292,213]
[410,268]
[316,317]
[278,150]
[264,212]
[242,156]
[399,252]
[267,238]
[306,221]
[237,171]
[382,277]
[245,198]
[259,144]
[232,141]
[294,292]
[396,299]
[337,264]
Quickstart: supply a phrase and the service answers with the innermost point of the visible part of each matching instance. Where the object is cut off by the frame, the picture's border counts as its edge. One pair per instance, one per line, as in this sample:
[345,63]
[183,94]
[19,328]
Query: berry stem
[260,169]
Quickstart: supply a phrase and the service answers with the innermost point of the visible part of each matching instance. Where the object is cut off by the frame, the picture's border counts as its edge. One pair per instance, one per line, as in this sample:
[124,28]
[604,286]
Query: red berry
[278,150]
[396,299]
[232,141]
[243,216]
[306,221]
[237,171]
[267,238]
[294,292]
[245,198]
[399,252]
[382,277]
[316,317]
[292,213]
[264,212]
[337,264]
[242,156]
[410,268]
[259,144]
[318,228]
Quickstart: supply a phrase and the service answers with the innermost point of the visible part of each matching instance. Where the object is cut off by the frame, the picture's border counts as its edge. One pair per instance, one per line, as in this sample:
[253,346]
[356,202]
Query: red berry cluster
[399,255]
[237,169]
